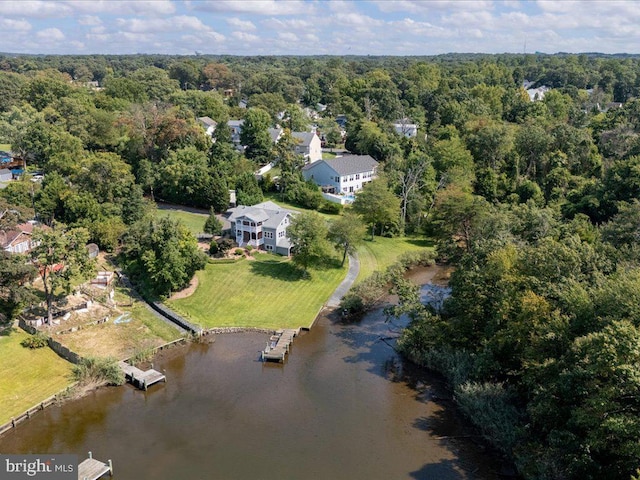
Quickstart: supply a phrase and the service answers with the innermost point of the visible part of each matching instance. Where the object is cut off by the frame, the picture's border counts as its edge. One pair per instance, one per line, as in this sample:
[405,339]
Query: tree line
[536,203]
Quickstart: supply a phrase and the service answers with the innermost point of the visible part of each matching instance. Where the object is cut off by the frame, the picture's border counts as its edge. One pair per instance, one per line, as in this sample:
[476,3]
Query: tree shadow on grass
[284,271]
[421,242]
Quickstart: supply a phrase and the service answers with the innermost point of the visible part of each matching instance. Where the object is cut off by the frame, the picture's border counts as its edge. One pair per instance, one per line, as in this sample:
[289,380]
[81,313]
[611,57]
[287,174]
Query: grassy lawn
[276,198]
[328,155]
[268,292]
[5,147]
[27,376]
[382,252]
[138,330]
[193,221]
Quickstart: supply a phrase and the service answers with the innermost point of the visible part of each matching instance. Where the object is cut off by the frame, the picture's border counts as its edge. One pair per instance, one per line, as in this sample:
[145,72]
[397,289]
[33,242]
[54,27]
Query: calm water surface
[344,406]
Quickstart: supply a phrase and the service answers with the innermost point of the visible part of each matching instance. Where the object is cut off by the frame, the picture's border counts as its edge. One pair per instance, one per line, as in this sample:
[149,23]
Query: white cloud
[160,25]
[34,9]
[290,23]
[90,20]
[152,8]
[50,35]
[246,37]
[420,6]
[256,7]
[288,36]
[14,25]
[240,24]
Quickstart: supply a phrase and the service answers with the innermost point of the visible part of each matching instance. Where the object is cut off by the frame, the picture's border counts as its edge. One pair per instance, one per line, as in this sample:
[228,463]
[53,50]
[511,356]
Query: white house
[405,127]
[236,127]
[263,226]
[346,174]
[209,125]
[309,146]
[18,240]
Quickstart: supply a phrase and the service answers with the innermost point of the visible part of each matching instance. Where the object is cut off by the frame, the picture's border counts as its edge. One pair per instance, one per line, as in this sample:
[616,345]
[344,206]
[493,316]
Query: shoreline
[433,273]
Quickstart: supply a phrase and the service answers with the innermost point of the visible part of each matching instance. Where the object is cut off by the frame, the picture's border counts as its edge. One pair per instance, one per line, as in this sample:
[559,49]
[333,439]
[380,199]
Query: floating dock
[92,469]
[278,345]
[140,378]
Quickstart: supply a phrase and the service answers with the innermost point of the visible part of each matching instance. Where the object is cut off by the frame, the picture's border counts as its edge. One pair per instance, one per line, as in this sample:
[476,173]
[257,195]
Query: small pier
[140,378]
[92,469]
[278,345]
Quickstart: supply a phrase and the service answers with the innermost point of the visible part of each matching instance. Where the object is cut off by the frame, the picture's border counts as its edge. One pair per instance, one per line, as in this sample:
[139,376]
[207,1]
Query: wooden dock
[140,378]
[278,345]
[92,469]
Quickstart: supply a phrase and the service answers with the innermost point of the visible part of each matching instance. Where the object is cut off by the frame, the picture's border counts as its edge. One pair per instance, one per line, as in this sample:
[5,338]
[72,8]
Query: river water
[343,406]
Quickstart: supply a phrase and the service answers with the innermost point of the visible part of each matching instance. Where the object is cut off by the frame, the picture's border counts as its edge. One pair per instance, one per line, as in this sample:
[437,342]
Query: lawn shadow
[421,242]
[284,271]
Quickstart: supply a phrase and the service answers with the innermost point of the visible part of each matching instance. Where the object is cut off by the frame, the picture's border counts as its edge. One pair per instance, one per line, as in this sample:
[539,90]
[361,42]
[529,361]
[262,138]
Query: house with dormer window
[263,226]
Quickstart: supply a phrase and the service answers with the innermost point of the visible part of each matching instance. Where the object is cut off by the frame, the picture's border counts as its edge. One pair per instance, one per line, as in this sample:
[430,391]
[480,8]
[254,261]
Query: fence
[52,400]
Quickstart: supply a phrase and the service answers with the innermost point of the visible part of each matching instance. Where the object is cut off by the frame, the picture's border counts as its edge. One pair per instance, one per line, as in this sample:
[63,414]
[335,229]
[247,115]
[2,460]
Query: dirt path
[186,292]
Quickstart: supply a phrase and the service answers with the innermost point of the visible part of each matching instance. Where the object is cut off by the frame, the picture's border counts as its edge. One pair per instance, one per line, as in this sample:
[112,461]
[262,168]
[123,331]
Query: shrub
[38,340]
[249,248]
[214,248]
[99,370]
[330,207]
[239,251]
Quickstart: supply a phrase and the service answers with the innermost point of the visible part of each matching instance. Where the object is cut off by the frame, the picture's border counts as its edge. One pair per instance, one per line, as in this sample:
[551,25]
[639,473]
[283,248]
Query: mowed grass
[193,221]
[276,198]
[5,147]
[27,377]
[382,252]
[268,292]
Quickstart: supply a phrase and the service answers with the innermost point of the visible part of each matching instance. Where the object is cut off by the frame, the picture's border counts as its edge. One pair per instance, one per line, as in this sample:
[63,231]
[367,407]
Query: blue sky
[314,27]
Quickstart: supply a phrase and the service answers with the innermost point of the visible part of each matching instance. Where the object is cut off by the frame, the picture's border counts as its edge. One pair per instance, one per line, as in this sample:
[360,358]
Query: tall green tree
[378,206]
[161,255]
[15,274]
[60,256]
[346,233]
[255,136]
[308,235]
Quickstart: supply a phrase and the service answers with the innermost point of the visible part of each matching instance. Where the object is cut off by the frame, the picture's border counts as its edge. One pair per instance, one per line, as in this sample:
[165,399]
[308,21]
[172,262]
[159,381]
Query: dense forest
[535,202]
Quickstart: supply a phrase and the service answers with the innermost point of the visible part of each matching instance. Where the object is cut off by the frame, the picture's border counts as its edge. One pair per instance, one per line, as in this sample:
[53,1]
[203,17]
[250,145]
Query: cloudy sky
[306,27]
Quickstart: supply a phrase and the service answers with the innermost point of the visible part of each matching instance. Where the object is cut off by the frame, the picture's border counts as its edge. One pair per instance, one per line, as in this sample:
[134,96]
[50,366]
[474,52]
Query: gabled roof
[7,238]
[235,123]
[304,138]
[269,213]
[275,133]
[208,121]
[347,165]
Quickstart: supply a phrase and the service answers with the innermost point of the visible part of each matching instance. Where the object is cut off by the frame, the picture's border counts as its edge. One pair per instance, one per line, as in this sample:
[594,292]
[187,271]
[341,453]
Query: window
[281,234]
[245,222]
[357,176]
[268,234]
[351,178]
[269,247]
[344,189]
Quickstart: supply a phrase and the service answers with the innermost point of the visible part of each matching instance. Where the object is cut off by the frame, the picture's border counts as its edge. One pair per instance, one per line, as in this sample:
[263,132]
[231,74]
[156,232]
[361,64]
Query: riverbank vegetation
[533,196]
[28,376]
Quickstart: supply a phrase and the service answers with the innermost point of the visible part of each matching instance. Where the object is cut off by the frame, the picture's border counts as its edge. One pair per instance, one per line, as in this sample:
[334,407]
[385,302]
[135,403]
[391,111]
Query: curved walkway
[343,288]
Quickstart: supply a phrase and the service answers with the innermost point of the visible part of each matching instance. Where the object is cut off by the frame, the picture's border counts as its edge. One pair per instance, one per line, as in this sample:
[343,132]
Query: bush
[214,248]
[239,251]
[99,370]
[38,340]
[249,248]
[330,207]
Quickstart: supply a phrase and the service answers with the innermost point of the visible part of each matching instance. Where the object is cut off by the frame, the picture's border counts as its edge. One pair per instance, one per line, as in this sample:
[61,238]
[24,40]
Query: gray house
[346,174]
[5,175]
[263,226]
